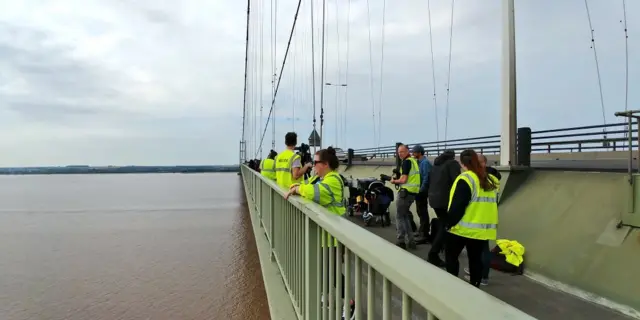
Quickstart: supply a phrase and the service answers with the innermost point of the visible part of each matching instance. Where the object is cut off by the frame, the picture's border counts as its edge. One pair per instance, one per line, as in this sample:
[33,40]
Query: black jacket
[444,172]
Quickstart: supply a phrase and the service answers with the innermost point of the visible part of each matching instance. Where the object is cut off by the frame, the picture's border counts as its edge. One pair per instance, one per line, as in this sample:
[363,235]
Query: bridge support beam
[509,101]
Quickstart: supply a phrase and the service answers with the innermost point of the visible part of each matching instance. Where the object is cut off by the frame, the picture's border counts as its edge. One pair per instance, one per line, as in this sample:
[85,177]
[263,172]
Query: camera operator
[409,183]
[289,169]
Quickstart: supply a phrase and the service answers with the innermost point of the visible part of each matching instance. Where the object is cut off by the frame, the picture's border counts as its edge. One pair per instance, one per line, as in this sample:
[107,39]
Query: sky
[115,82]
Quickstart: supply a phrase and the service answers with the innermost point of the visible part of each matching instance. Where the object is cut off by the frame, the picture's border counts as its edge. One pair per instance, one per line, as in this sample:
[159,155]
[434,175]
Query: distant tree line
[113,170]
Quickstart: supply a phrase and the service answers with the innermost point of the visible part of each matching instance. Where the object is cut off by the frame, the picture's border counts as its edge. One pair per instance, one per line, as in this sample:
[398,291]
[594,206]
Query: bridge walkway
[521,292]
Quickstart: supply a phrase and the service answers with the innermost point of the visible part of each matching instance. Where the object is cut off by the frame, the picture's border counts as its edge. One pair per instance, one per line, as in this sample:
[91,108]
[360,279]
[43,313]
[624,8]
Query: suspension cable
[261,68]
[322,71]
[313,73]
[284,61]
[384,18]
[626,56]
[373,106]
[446,112]
[275,56]
[595,56]
[244,103]
[433,74]
[346,94]
[339,84]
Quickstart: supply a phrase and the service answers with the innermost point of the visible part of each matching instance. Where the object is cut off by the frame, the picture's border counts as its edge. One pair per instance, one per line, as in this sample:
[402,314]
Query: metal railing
[294,229]
[609,137]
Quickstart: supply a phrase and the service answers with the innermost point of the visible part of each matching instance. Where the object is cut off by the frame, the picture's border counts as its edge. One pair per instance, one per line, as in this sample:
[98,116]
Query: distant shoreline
[116,170]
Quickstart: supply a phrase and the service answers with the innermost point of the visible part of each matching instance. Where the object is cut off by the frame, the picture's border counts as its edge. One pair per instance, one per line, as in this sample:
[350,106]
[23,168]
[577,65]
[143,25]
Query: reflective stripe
[474,191]
[484,226]
[316,195]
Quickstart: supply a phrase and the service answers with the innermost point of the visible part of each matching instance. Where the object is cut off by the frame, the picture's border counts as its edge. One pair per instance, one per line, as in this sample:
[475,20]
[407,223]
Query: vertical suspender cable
[373,106]
[284,62]
[313,71]
[346,93]
[384,18]
[322,55]
[244,103]
[339,84]
[626,56]
[261,67]
[433,75]
[275,55]
[595,56]
[446,112]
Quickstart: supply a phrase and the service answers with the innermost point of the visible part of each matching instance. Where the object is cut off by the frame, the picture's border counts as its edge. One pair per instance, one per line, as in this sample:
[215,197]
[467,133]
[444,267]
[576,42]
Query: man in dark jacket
[441,177]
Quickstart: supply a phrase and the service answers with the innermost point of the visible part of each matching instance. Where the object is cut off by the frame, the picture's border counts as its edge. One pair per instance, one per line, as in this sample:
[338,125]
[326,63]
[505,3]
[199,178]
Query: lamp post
[336,85]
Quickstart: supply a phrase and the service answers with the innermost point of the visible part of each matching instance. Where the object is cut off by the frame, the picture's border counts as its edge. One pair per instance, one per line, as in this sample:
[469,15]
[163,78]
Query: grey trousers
[403,218]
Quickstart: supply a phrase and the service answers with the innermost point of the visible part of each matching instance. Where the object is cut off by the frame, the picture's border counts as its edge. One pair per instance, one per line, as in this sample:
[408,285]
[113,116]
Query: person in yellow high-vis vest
[409,182]
[327,190]
[472,216]
[268,166]
[289,168]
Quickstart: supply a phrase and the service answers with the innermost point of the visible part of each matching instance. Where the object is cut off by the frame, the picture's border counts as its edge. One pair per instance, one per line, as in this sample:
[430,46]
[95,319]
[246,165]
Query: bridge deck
[527,295]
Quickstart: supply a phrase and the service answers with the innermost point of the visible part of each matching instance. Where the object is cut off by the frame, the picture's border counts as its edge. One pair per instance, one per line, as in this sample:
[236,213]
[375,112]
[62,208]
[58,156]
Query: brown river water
[143,246]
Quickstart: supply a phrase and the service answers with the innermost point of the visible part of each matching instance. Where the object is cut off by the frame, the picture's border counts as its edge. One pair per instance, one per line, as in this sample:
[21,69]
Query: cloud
[148,82]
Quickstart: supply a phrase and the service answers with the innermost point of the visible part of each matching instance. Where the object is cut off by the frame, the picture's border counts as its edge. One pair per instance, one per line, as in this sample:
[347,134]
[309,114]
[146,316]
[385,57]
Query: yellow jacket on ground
[512,250]
[480,220]
[328,192]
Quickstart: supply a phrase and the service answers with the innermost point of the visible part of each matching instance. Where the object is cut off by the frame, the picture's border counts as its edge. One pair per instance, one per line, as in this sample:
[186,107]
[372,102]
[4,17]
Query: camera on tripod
[304,151]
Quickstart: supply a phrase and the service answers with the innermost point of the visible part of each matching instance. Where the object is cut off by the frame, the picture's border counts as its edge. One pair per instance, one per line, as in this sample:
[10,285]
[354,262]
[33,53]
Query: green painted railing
[410,287]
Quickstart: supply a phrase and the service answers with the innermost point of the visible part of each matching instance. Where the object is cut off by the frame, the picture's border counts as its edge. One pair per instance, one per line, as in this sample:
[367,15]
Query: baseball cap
[417,149]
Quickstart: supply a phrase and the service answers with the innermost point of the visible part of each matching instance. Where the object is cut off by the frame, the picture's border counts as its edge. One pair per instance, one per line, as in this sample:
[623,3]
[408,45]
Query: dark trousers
[422,207]
[475,249]
[438,241]
[486,261]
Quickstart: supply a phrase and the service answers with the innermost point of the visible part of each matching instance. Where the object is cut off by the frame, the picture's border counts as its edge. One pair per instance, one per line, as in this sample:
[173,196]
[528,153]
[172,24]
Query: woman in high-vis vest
[268,166]
[327,190]
[472,216]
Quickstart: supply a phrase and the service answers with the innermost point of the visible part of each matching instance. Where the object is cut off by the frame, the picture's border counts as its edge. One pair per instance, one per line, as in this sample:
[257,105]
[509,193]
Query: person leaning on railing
[472,217]
[268,166]
[327,190]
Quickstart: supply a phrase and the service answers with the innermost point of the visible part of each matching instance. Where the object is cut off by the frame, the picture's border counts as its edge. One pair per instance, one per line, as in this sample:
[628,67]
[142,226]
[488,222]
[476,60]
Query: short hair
[291,139]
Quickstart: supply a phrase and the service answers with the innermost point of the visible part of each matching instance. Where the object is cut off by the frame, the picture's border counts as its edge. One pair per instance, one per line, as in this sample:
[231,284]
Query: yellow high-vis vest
[268,168]
[284,175]
[480,220]
[413,177]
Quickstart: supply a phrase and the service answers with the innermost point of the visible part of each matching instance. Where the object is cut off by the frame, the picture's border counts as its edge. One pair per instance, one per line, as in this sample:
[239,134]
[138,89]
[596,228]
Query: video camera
[304,151]
[385,178]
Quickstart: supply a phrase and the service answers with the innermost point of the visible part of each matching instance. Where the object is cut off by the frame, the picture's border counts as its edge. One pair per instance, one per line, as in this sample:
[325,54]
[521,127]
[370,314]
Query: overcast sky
[161,82]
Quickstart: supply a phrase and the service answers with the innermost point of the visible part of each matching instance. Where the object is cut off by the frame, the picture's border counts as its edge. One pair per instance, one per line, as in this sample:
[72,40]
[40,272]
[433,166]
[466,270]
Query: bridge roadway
[521,292]
[609,165]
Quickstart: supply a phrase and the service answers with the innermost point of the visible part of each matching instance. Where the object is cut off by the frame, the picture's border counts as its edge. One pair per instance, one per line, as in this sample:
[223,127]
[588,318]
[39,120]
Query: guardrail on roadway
[294,229]
[609,137]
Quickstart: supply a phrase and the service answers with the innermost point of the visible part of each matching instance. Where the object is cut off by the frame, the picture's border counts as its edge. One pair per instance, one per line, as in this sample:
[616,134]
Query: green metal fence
[384,281]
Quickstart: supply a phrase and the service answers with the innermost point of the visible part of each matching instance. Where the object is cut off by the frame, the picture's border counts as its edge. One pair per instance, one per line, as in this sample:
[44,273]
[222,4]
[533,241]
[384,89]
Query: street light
[335,85]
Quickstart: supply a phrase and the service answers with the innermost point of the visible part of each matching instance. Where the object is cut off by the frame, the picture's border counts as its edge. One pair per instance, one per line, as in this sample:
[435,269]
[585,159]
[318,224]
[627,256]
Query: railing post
[349,156]
[312,270]
[272,239]
[524,146]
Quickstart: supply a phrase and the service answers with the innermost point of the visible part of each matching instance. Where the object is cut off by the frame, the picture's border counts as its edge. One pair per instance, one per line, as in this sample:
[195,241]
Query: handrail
[596,138]
[435,290]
